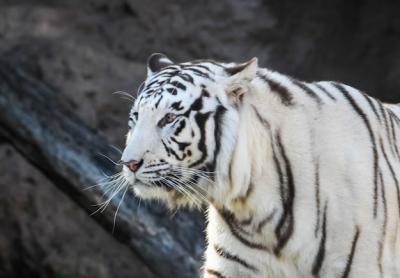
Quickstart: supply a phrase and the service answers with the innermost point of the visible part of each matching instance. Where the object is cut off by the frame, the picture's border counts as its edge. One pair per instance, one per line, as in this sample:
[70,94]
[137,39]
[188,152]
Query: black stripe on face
[347,269]
[166,148]
[322,88]
[178,85]
[283,93]
[203,67]
[180,127]
[159,99]
[205,93]
[319,259]
[181,145]
[364,118]
[200,73]
[285,226]
[172,91]
[201,120]
[186,77]
[307,90]
[214,272]
[225,254]
[171,151]
[197,105]
[176,106]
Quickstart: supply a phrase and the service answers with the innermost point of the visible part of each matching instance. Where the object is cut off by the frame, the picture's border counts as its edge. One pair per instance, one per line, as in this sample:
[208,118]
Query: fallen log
[49,135]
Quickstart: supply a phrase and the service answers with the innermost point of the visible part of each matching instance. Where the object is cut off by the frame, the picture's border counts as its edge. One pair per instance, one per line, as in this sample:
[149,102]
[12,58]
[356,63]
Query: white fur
[332,134]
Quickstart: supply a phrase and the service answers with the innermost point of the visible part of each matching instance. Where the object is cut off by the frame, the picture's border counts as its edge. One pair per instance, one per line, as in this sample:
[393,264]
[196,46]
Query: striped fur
[300,179]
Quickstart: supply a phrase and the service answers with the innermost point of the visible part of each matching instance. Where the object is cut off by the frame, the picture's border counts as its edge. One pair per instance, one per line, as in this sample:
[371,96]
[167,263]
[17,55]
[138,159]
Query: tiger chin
[300,179]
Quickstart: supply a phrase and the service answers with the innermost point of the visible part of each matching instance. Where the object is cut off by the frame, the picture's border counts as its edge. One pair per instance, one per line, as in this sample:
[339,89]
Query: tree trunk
[67,151]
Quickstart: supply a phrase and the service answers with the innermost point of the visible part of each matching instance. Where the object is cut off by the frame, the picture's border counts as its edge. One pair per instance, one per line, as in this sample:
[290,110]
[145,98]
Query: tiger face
[182,129]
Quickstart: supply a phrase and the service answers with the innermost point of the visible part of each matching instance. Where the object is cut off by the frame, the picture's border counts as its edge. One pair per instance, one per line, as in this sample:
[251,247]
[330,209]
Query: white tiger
[301,179]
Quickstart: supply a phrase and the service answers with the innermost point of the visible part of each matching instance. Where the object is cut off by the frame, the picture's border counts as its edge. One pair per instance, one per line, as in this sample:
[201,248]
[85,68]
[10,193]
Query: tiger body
[305,176]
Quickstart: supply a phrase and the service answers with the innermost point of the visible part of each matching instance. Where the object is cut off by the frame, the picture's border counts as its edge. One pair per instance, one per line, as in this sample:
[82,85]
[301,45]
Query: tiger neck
[252,185]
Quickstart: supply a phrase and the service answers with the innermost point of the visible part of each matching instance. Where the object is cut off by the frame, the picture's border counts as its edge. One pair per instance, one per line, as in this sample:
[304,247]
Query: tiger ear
[239,78]
[157,62]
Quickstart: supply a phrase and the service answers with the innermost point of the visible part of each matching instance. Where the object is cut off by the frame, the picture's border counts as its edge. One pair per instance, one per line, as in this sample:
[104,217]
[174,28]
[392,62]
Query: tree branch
[57,143]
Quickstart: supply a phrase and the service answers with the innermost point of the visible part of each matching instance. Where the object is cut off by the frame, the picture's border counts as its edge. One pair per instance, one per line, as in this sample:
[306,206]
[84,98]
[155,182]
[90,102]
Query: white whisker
[120,202]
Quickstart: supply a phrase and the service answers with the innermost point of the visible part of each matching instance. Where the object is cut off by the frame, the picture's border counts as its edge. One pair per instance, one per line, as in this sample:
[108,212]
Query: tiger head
[183,129]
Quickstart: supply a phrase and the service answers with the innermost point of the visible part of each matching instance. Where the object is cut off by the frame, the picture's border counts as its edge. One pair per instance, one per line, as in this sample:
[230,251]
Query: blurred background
[86,50]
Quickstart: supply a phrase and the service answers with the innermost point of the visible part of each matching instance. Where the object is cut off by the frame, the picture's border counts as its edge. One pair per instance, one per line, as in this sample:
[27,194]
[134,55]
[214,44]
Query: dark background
[87,49]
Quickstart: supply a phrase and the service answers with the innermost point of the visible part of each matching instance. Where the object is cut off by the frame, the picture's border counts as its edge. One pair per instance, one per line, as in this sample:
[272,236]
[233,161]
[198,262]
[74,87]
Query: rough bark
[55,141]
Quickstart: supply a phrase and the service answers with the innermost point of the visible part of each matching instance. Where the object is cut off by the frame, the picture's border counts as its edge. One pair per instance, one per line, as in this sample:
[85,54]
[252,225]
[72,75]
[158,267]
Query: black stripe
[217,135]
[225,254]
[203,67]
[386,125]
[317,199]
[158,102]
[230,172]
[166,148]
[235,232]
[205,93]
[266,220]
[172,91]
[394,135]
[322,88]
[178,85]
[200,73]
[364,117]
[236,225]
[186,77]
[214,273]
[197,105]
[383,195]
[396,181]
[261,119]
[371,104]
[319,259]
[277,88]
[181,145]
[209,61]
[308,90]
[347,270]
[285,225]
[390,133]
[181,126]
[201,120]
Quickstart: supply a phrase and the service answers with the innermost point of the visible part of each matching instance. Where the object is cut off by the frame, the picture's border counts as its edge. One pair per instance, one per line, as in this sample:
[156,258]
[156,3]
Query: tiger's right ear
[239,80]
[157,62]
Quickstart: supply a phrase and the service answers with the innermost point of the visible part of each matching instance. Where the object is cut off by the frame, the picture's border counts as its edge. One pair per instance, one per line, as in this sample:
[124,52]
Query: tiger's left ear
[157,62]
[239,79]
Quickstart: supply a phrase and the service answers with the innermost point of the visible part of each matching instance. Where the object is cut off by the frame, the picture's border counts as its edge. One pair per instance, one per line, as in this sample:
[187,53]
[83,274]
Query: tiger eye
[168,118]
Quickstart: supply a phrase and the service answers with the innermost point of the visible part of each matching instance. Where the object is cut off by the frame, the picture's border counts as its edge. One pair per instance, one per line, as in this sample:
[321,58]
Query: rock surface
[88,49]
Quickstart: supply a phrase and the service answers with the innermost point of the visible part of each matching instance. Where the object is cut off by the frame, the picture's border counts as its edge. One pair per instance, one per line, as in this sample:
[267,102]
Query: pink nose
[133,165]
